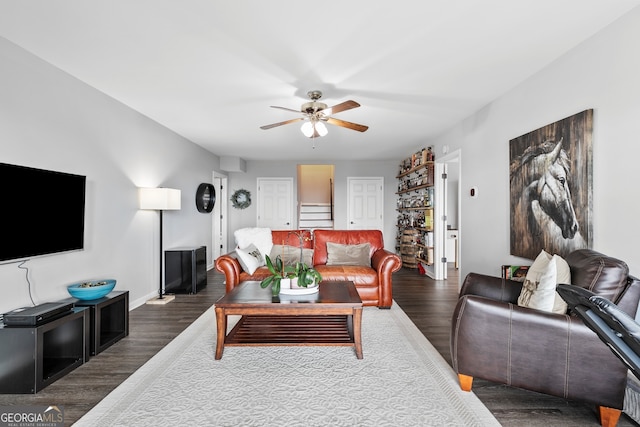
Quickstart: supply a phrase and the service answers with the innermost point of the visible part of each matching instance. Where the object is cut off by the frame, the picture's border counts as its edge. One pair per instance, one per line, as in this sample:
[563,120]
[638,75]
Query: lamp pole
[160,292]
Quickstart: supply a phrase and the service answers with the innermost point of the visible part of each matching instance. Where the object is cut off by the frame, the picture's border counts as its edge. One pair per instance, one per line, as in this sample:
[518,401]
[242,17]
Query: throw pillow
[258,236]
[250,258]
[564,276]
[338,254]
[540,294]
[539,287]
[291,254]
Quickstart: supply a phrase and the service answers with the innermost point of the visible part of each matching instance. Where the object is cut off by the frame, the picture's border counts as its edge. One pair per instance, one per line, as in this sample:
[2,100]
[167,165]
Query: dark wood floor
[427,302]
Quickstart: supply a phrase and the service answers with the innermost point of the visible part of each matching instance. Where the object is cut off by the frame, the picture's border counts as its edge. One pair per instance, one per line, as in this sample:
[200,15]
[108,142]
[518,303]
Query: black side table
[32,357]
[185,269]
[109,319]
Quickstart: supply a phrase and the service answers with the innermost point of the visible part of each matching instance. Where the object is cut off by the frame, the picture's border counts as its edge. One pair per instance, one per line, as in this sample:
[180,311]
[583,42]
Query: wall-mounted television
[44,210]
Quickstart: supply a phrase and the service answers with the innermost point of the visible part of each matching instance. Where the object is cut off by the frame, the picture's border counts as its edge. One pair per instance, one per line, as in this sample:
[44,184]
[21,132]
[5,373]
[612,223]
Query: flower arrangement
[305,275]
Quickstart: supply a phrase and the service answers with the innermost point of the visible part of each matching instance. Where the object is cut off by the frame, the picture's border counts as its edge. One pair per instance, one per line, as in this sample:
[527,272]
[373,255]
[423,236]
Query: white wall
[50,120]
[343,169]
[603,74]
[314,184]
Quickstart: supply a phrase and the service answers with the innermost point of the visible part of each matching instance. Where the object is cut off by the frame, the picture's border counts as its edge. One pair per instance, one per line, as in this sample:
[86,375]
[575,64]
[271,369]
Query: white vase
[285,283]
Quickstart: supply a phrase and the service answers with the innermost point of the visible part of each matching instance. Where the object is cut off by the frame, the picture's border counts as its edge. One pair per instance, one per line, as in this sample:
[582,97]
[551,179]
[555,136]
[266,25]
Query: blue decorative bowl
[92,289]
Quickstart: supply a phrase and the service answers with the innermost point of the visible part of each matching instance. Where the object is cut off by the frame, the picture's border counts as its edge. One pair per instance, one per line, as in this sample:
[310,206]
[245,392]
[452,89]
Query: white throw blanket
[259,237]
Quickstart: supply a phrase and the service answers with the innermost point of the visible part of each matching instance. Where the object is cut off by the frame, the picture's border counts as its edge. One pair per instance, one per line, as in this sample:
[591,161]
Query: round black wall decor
[205,197]
[241,199]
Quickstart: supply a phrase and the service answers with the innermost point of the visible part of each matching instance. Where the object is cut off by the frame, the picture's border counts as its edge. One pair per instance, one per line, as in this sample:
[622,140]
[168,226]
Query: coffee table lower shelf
[332,318]
[291,331]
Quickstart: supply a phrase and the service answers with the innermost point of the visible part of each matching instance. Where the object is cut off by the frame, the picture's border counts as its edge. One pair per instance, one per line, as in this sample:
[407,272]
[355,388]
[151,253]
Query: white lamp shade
[159,199]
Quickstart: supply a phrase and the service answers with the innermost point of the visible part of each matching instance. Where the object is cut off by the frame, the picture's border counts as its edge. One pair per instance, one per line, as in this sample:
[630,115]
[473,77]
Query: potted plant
[300,272]
[278,272]
[307,276]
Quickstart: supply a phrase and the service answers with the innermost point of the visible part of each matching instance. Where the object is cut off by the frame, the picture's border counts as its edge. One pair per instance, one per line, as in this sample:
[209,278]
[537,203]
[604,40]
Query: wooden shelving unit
[415,209]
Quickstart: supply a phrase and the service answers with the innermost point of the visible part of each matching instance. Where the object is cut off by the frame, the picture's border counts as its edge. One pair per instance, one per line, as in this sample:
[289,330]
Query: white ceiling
[210,69]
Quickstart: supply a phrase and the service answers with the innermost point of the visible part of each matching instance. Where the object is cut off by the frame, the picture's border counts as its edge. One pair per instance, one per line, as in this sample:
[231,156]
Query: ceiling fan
[315,114]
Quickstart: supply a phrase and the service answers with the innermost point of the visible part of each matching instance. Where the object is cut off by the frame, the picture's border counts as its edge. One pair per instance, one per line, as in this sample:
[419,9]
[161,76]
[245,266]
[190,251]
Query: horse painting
[543,214]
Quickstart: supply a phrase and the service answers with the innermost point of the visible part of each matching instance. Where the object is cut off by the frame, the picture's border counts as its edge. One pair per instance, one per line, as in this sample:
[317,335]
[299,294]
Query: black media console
[35,356]
[32,357]
[109,319]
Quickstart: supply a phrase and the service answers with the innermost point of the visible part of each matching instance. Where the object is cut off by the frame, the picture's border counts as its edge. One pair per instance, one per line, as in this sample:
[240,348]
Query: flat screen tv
[43,209]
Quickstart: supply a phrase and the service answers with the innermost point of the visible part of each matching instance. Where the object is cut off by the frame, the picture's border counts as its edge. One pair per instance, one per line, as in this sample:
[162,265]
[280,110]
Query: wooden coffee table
[330,317]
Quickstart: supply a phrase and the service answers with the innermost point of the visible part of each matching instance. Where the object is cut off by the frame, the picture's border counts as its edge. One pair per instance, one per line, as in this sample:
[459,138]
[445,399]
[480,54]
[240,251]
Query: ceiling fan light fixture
[307,129]
[313,129]
[321,129]
[315,114]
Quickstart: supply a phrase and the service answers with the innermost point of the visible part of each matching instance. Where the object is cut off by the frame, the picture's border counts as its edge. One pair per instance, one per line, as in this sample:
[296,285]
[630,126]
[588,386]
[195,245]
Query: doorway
[451,233]
[315,197]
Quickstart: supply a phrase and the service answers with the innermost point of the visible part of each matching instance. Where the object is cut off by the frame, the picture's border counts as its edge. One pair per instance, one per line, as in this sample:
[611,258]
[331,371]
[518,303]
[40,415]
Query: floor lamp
[160,199]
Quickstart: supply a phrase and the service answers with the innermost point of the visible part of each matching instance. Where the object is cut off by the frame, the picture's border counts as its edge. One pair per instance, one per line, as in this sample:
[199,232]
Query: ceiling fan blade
[343,106]
[349,125]
[286,109]
[286,122]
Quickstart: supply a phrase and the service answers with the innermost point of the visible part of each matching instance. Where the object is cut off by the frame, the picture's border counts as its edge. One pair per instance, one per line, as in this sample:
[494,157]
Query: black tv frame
[43,209]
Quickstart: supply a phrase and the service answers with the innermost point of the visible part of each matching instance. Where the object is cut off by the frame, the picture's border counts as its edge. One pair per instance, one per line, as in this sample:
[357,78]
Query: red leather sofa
[374,284]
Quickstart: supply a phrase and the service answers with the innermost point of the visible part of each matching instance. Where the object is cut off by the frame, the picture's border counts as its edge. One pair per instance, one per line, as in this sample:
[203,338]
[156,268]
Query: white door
[219,215]
[440,255]
[275,203]
[365,207]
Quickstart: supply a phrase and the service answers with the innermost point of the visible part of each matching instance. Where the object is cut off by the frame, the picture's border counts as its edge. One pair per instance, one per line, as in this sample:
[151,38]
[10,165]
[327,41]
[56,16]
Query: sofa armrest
[230,267]
[550,353]
[491,287]
[385,263]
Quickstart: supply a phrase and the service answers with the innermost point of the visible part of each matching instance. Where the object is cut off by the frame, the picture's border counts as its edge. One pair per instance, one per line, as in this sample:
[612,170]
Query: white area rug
[402,381]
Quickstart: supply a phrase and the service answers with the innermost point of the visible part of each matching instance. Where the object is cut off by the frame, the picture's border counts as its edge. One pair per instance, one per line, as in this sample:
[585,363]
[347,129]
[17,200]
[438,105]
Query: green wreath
[241,199]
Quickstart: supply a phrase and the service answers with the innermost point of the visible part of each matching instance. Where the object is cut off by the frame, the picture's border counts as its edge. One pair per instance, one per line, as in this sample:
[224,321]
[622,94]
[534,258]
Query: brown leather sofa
[374,284]
[494,339]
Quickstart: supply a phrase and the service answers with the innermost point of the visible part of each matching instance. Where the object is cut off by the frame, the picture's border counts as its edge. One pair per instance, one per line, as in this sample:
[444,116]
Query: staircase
[315,217]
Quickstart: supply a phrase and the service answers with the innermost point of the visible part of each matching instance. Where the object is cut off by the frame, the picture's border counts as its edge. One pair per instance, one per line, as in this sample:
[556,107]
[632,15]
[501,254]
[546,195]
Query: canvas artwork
[551,188]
